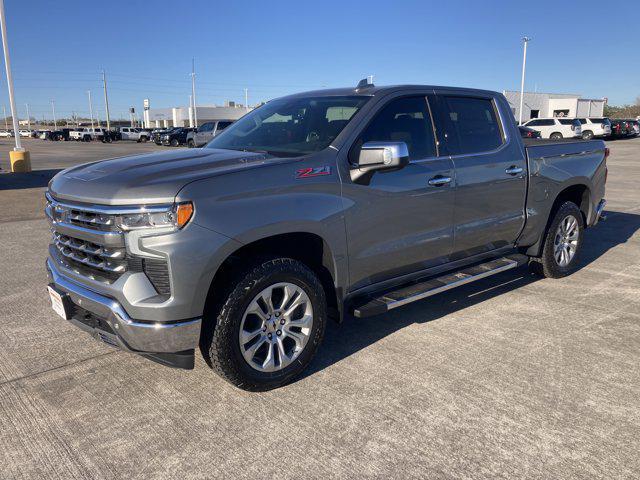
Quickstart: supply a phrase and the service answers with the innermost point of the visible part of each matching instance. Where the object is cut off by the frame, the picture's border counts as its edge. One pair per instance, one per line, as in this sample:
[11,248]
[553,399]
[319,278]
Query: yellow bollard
[20,161]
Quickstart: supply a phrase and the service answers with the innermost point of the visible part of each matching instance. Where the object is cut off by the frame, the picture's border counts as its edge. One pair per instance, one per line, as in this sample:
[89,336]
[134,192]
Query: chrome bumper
[599,210]
[125,332]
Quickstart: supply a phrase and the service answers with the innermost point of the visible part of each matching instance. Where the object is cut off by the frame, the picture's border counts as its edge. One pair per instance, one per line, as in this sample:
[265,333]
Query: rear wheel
[270,325]
[562,243]
[144,139]
[175,142]
[191,143]
[587,135]
[555,136]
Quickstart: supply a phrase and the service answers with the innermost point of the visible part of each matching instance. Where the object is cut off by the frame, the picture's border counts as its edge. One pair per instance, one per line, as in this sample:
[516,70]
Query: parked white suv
[595,127]
[87,134]
[556,128]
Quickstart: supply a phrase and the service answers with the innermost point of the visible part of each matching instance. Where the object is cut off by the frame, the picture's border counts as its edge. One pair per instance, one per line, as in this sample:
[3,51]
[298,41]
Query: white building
[540,105]
[183,116]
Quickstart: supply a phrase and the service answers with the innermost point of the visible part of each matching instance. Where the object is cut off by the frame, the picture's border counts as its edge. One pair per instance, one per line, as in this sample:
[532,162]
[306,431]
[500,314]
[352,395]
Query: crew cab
[556,128]
[322,205]
[205,132]
[175,137]
[86,134]
[134,134]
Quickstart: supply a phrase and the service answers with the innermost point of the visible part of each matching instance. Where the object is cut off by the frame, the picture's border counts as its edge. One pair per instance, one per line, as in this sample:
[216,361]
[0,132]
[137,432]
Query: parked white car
[137,134]
[556,128]
[25,133]
[6,133]
[206,132]
[86,134]
[595,127]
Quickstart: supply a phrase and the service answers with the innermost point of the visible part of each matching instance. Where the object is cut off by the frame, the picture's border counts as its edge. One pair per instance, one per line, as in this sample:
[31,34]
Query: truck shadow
[353,335]
[34,179]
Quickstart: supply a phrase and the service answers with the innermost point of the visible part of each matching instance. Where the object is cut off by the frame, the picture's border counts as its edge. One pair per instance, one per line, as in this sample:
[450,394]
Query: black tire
[144,139]
[555,136]
[86,138]
[587,135]
[221,341]
[191,143]
[174,142]
[547,265]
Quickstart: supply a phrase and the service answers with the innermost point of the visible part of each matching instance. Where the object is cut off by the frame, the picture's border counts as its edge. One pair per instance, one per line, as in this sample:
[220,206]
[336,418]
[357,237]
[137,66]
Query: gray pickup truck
[326,204]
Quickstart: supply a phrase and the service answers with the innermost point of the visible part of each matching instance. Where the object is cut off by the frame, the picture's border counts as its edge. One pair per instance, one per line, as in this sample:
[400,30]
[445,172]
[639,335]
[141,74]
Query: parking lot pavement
[508,377]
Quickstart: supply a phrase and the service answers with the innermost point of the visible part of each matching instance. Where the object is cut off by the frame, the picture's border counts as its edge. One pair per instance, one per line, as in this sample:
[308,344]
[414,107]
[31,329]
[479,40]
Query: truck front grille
[88,241]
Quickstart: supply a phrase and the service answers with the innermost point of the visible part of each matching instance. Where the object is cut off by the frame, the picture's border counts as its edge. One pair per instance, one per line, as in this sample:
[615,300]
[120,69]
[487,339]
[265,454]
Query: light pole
[193,91]
[19,158]
[106,100]
[28,117]
[526,40]
[246,99]
[90,109]
[53,109]
[6,122]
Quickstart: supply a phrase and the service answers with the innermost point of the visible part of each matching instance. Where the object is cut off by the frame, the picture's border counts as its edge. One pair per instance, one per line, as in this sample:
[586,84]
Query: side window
[223,125]
[205,127]
[403,120]
[475,124]
[534,123]
[565,121]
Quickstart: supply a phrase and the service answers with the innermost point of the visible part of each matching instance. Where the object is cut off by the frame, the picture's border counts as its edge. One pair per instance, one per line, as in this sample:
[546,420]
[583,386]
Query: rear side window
[597,120]
[566,121]
[475,124]
[403,120]
[582,121]
[223,125]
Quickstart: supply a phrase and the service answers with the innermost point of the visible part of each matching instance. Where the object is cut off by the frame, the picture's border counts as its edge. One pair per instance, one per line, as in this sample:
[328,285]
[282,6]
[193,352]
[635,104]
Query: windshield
[290,126]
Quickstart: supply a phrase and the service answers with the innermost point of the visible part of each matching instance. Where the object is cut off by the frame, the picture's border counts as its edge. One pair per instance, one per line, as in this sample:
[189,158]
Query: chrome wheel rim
[276,327]
[565,243]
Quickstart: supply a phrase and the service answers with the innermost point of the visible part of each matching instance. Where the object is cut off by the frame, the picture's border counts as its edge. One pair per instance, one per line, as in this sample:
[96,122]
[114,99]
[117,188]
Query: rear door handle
[439,180]
[514,170]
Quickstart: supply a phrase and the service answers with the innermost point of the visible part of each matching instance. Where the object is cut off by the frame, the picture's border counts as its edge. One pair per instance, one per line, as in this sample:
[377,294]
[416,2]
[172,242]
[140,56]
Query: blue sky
[278,47]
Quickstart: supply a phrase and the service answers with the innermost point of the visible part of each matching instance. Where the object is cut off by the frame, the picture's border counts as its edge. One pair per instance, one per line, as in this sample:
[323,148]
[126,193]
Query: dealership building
[184,116]
[541,105]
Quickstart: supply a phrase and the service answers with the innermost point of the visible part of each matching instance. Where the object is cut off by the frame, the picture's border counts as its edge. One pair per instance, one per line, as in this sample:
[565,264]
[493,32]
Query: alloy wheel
[565,243]
[276,327]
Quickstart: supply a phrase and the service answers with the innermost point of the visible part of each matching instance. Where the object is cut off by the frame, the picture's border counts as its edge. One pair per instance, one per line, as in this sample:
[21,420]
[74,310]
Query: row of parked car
[585,128]
[191,137]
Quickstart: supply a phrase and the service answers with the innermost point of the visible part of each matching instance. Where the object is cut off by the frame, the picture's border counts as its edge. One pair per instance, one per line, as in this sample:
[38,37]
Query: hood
[150,178]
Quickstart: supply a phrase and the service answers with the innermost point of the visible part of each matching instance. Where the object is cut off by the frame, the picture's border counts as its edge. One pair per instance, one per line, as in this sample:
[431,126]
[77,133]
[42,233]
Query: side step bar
[417,291]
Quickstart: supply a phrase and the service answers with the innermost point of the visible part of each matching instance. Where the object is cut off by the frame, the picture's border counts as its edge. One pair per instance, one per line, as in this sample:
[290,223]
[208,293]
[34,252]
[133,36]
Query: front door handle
[514,170]
[439,180]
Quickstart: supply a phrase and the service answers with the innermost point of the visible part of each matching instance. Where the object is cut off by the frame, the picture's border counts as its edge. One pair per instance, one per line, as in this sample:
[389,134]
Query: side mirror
[379,156]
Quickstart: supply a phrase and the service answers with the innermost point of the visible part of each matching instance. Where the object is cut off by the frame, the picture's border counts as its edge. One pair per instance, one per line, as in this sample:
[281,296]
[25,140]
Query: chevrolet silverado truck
[322,205]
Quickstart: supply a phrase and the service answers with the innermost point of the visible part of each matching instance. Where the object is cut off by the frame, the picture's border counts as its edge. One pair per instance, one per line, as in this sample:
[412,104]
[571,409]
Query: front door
[490,171]
[400,221]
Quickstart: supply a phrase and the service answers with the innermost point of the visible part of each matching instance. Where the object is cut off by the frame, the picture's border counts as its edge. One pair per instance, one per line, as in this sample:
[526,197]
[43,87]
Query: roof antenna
[365,83]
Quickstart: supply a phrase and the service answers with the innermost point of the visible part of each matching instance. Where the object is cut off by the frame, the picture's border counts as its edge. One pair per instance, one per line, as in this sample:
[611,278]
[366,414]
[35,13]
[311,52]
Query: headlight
[174,217]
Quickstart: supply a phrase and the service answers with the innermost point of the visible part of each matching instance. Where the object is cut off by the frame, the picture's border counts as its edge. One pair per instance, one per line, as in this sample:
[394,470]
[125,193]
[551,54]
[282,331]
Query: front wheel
[269,327]
[175,142]
[562,243]
[556,136]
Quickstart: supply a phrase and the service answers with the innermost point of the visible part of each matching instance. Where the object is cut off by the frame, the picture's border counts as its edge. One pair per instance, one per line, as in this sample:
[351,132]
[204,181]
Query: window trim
[384,104]
[504,133]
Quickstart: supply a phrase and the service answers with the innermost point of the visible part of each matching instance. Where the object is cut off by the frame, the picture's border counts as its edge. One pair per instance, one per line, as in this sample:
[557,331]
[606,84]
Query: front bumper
[170,342]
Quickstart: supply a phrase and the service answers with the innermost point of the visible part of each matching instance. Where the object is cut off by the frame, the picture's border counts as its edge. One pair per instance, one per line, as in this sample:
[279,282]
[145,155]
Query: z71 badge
[313,172]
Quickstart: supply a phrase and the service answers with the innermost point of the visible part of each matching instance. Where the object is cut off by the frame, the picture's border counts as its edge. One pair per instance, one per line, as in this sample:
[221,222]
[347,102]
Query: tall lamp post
[526,40]
[19,157]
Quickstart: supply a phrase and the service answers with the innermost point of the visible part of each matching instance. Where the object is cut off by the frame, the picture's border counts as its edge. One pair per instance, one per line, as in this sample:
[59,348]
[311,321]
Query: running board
[433,286]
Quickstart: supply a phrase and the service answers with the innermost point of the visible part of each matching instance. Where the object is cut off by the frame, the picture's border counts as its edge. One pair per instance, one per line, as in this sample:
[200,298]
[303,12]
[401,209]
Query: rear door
[399,222]
[490,171]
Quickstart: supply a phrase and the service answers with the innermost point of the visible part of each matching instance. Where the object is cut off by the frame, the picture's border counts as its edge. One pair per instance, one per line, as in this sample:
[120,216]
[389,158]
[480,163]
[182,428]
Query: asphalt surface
[508,377]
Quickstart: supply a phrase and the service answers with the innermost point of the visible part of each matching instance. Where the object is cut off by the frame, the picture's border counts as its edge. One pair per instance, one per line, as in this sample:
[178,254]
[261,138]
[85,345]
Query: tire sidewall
[566,209]
[245,291]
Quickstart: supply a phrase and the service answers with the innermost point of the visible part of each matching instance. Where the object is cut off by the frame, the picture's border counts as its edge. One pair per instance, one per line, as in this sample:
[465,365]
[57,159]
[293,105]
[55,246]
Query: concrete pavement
[509,377]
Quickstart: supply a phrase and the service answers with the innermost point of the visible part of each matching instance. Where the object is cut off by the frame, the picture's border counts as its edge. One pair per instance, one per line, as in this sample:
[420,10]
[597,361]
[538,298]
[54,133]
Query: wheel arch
[578,193]
[306,247]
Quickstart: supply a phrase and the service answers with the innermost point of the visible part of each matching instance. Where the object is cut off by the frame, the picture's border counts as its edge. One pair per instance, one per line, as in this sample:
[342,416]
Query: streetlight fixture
[19,158]
[526,40]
